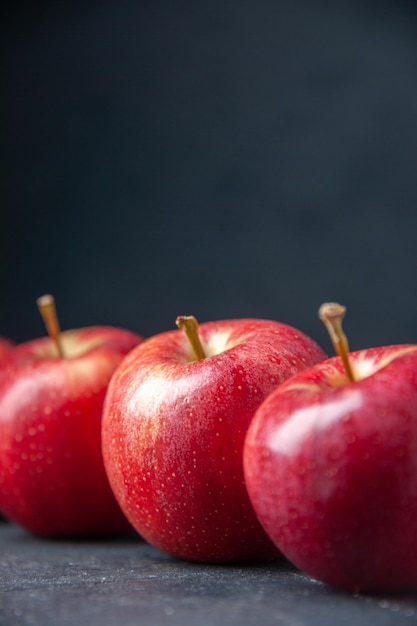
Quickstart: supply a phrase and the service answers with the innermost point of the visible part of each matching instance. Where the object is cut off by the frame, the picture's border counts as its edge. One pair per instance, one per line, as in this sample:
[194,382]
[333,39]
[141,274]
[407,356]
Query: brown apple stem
[189,324]
[47,308]
[332,314]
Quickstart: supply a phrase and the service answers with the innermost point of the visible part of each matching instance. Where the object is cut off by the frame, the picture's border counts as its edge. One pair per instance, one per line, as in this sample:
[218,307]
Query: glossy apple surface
[331,469]
[5,346]
[173,432]
[52,478]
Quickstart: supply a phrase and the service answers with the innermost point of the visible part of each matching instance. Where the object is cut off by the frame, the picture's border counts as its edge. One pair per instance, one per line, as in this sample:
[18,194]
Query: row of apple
[229,441]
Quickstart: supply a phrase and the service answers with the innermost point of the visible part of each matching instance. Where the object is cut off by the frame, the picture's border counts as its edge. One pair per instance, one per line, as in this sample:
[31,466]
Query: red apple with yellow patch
[175,418]
[330,462]
[52,477]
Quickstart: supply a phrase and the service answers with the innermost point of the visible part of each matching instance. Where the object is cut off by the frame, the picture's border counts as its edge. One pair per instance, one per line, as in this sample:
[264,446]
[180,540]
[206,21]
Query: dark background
[226,159]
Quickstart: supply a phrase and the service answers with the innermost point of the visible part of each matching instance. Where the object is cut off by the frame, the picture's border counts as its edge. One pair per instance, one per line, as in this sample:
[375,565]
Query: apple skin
[331,470]
[5,347]
[173,433]
[52,477]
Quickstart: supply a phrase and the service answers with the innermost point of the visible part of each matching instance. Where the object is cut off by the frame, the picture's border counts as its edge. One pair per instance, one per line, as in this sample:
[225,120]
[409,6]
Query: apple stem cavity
[189,324]
[332,314]
[47,309]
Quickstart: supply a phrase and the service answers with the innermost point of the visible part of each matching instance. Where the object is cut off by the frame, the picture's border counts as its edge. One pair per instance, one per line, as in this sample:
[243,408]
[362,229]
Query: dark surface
[220,159]
[125,583]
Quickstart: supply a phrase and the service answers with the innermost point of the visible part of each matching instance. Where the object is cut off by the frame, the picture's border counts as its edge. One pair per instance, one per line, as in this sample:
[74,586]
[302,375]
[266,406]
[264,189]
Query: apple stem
[189,324]
[332,314]
[47,308]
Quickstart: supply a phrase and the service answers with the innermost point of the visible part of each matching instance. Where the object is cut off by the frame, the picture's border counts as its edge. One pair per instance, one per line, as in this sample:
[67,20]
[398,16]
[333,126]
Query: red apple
[330,461]
[52,477]
[174,423]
